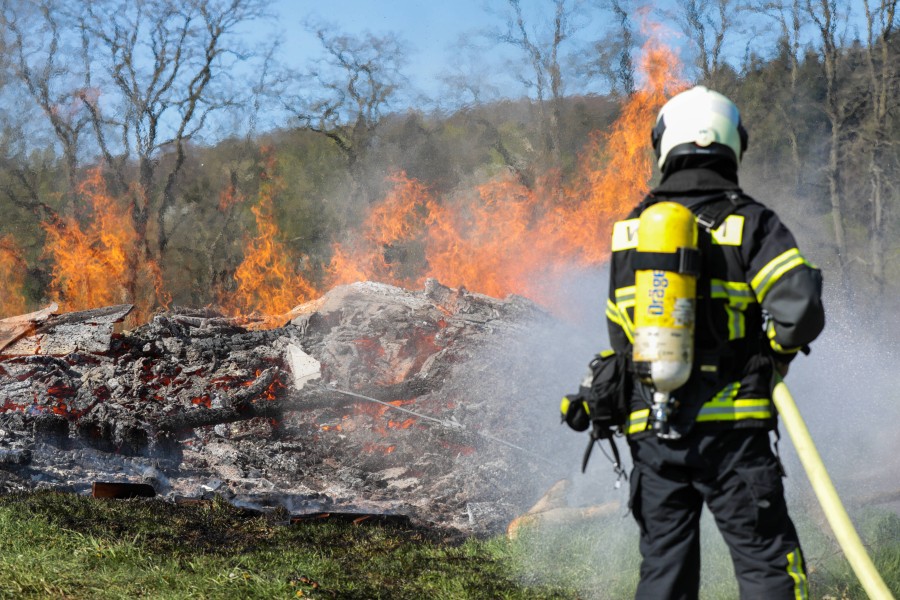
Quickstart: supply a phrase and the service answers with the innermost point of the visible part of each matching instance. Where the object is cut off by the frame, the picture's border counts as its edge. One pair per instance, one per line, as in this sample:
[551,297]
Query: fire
[95,264]
[12,278]
[499,238]
[504,237]
[268,281]
[372,448]
[379,412]
[393,227]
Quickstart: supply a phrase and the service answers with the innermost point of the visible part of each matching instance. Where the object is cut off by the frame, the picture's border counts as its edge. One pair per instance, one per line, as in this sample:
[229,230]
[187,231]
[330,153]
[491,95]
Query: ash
[197,404]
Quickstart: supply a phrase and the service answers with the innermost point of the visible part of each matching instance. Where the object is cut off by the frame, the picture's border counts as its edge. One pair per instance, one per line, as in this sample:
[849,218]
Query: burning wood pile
[431,404]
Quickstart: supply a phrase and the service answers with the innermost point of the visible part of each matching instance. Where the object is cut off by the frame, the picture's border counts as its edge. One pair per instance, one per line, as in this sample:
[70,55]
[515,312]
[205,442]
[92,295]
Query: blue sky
[429,28]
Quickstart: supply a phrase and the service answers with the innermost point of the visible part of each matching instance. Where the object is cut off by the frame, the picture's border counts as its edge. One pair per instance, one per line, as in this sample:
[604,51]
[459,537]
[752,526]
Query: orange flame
[392,227]
[505,237]
[268,280]
[91,264]
[12,278]
[101,263]
[499,238]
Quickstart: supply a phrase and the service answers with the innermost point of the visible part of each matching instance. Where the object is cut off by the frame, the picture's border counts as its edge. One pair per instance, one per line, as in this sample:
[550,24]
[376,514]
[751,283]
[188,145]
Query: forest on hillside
[140,160]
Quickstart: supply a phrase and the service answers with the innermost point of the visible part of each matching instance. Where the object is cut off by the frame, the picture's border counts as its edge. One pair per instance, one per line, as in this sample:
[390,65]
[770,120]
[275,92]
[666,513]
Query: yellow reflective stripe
[770,332]
[620,318]
[795,570]
[738,296]
[625,296]
[637,421]
[625,299]
[724,407]
[736,328]
[736,410]
[738,291]
[775,270]
[612,313]
[625,235]
[727,393]
[730,232]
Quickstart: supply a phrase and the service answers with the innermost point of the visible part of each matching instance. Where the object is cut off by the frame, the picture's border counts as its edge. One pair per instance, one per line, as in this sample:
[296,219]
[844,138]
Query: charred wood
[13,328]
[86,331]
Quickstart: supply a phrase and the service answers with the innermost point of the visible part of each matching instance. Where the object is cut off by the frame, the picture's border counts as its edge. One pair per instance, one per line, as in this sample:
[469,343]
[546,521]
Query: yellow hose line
[834,510]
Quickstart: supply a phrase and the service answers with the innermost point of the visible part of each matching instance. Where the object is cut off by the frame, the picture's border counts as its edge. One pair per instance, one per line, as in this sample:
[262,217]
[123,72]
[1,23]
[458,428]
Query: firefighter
[758,303]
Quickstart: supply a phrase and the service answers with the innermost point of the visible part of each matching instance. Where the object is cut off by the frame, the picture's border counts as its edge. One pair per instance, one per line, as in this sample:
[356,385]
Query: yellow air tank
[665,306]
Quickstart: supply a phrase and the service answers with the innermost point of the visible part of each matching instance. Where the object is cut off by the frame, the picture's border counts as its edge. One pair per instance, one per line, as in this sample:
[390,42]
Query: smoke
[843,389]
[526,376]
[845,392]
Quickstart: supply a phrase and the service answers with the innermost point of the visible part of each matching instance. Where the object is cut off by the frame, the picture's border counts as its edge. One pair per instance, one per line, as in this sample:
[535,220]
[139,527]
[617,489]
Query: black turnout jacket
[759,299]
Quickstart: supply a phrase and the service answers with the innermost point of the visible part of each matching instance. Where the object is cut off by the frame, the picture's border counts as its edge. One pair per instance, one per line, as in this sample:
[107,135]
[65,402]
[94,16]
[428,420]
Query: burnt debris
[195,403]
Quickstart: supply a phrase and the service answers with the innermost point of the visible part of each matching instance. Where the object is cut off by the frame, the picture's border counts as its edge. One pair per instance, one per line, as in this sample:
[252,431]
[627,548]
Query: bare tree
[882,75]
[625,71]
[170,64]
[469,79]
[545,77]
[790,19]
[706,24]
[40,62]
[609,58]
[827,15]
[132,83]
[355,84]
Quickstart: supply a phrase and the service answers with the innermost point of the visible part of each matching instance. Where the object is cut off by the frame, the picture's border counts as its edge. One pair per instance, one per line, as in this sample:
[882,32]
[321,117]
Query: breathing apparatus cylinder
[666,269]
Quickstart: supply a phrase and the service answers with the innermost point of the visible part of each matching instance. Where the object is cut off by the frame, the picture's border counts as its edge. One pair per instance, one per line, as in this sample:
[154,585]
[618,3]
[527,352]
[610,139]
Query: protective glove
[575,411]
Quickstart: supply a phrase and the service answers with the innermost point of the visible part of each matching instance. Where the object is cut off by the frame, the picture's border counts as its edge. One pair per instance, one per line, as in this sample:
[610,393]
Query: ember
[390,426]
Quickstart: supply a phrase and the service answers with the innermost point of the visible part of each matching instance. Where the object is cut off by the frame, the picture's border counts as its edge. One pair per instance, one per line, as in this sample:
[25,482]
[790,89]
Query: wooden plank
[552,510]
[116,489]
[85,331]
[13,328]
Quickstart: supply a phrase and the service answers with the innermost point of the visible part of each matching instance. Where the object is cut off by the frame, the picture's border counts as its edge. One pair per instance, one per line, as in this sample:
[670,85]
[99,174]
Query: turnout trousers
[736,474]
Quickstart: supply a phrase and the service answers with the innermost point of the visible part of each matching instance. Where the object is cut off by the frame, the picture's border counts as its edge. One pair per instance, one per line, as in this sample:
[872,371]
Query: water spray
[835,512]
[448,423]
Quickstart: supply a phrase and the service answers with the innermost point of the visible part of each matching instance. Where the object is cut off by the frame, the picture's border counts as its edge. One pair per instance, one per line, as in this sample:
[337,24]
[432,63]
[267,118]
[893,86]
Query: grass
[55,545]
[600,559]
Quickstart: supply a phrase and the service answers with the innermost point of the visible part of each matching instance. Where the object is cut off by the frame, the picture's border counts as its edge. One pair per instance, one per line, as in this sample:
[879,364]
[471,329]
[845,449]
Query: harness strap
[711,211]
[686,261]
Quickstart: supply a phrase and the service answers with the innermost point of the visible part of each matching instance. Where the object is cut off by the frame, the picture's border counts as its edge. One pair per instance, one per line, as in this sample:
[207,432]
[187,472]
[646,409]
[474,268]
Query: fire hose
[835,512]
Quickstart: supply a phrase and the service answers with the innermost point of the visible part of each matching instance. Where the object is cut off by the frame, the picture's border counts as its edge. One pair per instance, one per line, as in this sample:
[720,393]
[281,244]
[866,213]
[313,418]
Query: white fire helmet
[701,122]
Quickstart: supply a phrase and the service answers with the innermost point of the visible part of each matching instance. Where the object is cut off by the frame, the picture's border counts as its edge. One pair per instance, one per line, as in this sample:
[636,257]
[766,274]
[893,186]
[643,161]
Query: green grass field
[55,545]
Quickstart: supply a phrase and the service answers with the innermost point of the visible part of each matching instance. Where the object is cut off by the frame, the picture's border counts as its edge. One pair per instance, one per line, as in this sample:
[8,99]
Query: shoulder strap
[711,211]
